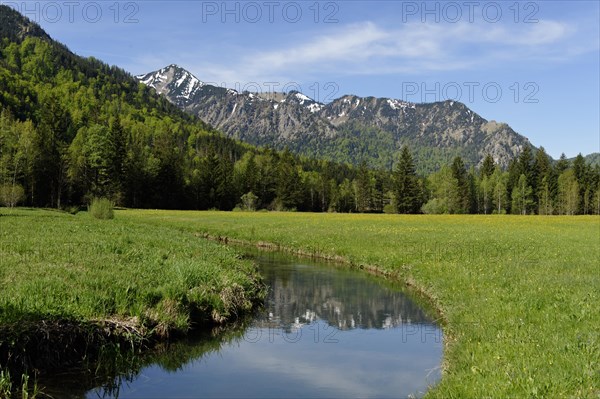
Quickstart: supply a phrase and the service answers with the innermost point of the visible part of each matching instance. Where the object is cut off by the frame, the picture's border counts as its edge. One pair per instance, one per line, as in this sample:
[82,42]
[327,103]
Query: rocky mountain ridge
[350,128]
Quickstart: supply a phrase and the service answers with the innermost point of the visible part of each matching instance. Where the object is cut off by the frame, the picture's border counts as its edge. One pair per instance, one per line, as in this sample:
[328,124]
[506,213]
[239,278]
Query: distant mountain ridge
[592,159]
[350,128]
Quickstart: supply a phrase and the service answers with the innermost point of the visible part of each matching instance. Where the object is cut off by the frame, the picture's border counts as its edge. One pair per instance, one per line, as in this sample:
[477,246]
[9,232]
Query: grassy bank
[519,295]
[72,281]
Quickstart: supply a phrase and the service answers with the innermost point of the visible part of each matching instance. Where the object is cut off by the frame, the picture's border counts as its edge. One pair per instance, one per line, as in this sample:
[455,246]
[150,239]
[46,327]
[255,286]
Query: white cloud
[368,48]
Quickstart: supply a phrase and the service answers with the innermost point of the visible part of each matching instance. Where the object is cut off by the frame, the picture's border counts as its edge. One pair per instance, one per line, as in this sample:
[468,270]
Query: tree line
[532,184]
[173,166]
[72,129]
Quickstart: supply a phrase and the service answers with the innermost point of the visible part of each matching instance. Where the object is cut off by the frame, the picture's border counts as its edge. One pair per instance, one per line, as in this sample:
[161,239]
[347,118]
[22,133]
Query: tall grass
[27,390]
[57,265]
[102,208]
[5,384]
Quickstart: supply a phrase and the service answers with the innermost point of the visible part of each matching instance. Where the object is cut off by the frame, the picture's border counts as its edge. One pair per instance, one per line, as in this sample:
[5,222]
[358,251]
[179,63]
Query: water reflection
[324,332]
[112,377]
[301,294]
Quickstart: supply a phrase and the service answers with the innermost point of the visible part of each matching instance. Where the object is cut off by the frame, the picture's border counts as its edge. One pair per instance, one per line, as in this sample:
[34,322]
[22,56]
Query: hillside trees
[74,128]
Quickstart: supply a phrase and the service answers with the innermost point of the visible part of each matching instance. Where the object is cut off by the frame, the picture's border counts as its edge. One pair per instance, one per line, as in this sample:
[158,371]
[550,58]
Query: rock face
[349,129]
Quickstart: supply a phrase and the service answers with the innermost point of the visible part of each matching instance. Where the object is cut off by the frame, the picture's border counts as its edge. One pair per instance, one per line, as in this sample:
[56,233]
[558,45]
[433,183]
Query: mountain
[75,128]
[348,129]
[593,159]
[179,83]
[259,118]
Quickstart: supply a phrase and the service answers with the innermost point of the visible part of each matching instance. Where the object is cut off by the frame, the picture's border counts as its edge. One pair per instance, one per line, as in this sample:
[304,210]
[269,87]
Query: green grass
[519,295]
[56,266]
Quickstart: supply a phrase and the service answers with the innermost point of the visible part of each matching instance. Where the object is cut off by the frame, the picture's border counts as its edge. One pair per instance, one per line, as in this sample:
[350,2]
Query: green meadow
[517,295]
[59,266]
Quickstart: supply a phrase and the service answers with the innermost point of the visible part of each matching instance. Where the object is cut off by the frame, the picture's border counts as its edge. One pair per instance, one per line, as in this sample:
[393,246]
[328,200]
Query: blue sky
[534,65]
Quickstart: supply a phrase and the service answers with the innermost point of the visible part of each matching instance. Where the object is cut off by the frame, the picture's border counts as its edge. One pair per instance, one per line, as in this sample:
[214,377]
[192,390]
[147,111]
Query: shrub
[249,201]
[11,194]
[435,206]
[102,208]
[389,208]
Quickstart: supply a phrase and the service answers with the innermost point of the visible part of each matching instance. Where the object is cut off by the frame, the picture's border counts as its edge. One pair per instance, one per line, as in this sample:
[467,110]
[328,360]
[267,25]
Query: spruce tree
[363,189]
[460,174]
[562,164]
[406,193]
[487,167]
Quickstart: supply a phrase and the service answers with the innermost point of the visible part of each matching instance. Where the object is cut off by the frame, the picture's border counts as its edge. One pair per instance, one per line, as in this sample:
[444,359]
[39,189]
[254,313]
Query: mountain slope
[350,128]
[15,28]
[181,85]
[593,158]
[72,128]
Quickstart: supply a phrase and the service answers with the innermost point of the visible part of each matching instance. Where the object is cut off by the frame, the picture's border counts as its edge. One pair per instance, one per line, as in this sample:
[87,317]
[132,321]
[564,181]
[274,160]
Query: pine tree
[97,152]
[267,177]
[405,184]
[595,206]
[223,184]
[487,167]
[514,172]
[460,174]
[562,164]
[525,163]
[579,169]
[362,189]
[583,173]
[289,191]
[541,165]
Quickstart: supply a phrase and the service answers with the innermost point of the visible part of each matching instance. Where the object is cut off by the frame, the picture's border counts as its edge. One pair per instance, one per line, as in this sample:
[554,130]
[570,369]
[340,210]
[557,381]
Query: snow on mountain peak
[310,104]
[398,104]
[315,107]
[302,97]
[174,80]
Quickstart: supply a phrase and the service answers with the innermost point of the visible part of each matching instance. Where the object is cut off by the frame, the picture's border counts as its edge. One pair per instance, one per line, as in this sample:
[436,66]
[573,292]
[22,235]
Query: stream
[325,331]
